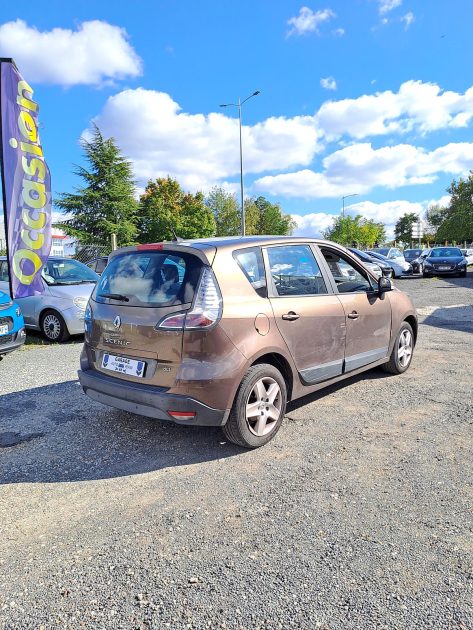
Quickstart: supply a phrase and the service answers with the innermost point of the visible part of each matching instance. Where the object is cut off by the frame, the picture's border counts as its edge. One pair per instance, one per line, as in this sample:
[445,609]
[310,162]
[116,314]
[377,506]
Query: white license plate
[123,365]
[3,329]
[444,268]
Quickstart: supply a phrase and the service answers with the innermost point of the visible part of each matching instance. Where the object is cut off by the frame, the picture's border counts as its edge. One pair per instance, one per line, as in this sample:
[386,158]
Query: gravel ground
[358,514]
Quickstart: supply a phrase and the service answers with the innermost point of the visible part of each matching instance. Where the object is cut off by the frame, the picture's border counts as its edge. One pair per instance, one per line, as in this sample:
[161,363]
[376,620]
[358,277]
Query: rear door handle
[291,316]
[353,315]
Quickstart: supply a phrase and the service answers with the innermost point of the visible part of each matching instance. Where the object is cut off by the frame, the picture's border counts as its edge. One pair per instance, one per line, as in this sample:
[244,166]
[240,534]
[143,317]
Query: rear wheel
[259,406]
[54,327]
[403,349]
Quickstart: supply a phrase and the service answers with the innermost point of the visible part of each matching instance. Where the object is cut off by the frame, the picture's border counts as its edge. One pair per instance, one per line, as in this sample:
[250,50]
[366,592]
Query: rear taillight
[206,311]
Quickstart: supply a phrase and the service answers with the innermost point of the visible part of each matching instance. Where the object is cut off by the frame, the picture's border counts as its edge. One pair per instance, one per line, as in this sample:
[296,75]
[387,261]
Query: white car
[468,253]
[58,312]
[394,254]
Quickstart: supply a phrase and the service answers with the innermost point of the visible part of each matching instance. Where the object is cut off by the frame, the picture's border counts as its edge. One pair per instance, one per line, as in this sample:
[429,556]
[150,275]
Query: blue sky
[372,97]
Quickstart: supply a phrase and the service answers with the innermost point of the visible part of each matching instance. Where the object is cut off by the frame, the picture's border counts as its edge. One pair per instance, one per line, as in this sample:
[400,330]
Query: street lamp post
[343,202]
[238,105]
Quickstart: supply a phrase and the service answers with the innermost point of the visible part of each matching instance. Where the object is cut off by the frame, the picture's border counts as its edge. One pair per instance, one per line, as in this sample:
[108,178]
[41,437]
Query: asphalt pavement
[358,515]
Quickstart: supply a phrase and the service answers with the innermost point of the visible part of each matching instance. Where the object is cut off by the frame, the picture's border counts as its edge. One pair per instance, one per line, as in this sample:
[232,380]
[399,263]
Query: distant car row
[59,311]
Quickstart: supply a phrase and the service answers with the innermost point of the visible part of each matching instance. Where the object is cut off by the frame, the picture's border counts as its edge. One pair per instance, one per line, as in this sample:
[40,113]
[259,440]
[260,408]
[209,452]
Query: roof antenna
[176,238]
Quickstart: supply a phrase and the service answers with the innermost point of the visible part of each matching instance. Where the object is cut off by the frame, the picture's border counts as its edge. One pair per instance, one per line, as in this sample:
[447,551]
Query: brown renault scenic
[224,332]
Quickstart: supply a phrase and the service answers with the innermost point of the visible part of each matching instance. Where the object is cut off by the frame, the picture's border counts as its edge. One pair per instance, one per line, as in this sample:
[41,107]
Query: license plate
[123,365]
[443,268]
[3,329]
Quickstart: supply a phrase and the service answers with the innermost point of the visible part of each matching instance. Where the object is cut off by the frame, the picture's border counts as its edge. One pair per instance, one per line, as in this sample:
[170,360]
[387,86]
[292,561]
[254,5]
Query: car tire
[54,327]
[403,350]
[462,274]
[258,409]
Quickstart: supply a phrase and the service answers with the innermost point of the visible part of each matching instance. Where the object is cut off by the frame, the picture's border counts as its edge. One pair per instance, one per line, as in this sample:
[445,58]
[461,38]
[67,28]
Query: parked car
[398,270]
[468,253]
[12,326]
[392,253]
[445,261]
[98,264]
[378,267]
[224,332]
[58,312]
[416,258]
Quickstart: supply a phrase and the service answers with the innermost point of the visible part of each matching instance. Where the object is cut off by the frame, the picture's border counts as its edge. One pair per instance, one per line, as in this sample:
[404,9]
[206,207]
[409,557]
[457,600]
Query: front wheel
[403,349]
[259,407]
[54,327]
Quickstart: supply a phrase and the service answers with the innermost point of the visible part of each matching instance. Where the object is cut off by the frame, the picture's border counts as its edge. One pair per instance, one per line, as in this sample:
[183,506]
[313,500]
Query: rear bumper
[12,341]
[148,400]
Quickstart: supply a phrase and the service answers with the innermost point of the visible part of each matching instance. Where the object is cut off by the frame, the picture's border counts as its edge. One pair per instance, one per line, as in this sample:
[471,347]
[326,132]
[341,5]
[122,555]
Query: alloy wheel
[404,349]
[52,327]
[264,406]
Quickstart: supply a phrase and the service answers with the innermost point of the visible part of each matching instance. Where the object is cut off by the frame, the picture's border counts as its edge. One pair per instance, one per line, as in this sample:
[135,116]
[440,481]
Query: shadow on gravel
[451,318]
[56,434]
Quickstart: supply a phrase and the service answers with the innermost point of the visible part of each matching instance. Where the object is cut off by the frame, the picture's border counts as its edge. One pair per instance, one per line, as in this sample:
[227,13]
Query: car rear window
[151,279]
[250,261]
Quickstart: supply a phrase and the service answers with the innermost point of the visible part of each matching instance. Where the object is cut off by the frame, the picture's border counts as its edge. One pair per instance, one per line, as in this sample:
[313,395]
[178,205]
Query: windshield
[410,254]
[62,271]
[445,252]
[150,279]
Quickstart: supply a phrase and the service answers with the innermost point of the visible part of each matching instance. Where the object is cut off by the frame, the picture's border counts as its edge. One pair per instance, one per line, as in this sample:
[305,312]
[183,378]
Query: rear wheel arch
[280,363]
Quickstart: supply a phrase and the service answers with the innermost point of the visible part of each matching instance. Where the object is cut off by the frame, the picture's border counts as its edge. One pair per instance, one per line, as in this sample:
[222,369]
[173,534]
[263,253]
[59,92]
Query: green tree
[264,217]
[355,231]
[165,207]
[105,205]
[403,227]
[457,223]
[226,211]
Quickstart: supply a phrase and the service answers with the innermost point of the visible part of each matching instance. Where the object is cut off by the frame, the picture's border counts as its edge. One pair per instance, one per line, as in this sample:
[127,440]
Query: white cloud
[416,106]
[308,21]
[338,32]
[328,83]
[201,150]
[359,169]
[312,224]
[388,5]
[95,53]
[408,18]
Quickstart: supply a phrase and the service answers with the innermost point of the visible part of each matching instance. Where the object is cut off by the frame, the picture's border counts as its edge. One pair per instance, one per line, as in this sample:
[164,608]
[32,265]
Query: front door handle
[353,315]
[291,316]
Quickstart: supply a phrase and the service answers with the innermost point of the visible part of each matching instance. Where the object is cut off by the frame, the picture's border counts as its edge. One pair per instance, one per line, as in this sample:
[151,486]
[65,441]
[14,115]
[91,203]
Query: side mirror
[384,284]
[386,271]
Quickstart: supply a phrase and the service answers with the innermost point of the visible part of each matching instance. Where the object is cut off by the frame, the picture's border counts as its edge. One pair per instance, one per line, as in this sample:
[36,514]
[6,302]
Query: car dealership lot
[358,515]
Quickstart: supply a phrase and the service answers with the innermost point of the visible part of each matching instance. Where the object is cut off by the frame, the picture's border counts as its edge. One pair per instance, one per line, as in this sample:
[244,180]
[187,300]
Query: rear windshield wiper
[115,296]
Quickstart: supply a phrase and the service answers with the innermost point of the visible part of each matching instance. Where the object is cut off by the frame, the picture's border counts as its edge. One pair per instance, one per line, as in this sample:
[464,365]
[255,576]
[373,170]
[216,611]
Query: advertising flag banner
[26,183]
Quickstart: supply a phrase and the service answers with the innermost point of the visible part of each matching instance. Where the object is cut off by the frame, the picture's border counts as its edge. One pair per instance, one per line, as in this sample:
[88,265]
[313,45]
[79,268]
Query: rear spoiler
[206,253]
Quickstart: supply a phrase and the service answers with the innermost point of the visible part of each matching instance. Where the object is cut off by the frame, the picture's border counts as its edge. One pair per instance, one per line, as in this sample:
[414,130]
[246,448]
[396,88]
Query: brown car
[223,332]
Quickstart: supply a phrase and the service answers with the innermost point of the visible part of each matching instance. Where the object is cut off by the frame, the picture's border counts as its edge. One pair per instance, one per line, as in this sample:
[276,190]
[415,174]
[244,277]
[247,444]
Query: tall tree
[105,205]
[403,227]
[226,211]
[165,208]
[264,217]
[356,231]
[457,224]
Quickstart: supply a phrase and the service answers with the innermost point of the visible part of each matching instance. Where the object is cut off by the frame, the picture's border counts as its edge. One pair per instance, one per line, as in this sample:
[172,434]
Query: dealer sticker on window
[123,365]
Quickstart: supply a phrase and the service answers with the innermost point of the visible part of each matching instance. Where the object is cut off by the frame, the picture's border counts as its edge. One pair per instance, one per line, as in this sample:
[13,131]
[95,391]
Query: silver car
[58,312]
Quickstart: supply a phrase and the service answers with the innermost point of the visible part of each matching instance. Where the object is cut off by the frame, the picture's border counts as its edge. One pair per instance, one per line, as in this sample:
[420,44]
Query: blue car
[12,326]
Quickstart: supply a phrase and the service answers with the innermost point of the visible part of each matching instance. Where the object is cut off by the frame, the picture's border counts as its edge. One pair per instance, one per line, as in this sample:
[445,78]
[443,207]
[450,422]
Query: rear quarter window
[250,261]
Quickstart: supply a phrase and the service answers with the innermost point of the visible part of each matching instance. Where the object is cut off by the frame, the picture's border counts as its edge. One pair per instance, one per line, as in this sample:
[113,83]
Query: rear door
[308,315]
[368,315]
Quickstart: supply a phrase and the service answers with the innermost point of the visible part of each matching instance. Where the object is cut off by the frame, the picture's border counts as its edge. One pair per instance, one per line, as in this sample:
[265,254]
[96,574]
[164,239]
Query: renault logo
[117,322]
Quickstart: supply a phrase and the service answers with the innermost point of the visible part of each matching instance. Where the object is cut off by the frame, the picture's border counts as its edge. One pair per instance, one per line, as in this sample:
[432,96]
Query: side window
[101,264]
[4,271]
[347,277]
[295,271]
[250,261]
